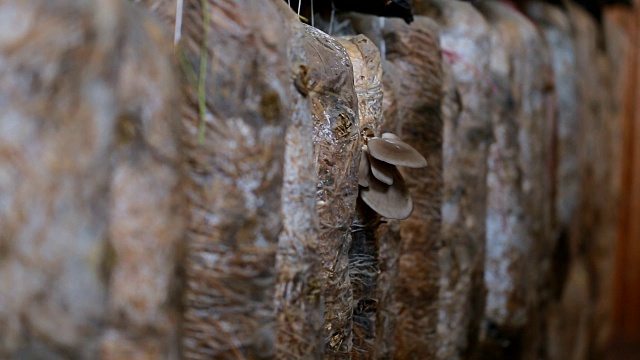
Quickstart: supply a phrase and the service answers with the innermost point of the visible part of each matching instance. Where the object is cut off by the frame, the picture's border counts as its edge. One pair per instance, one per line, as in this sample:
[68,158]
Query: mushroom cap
[382,171]
[396,152]
[389,135]
[391,201]
[363,168]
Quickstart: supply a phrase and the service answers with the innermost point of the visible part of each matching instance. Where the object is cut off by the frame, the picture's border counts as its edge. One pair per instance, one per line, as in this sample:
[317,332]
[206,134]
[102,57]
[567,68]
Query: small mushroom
[363,168]
[391,201]
[381,170]
[382,187]
[396,152]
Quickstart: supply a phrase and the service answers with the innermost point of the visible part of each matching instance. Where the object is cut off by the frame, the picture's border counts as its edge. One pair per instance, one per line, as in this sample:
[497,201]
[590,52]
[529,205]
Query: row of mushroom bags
[185,179]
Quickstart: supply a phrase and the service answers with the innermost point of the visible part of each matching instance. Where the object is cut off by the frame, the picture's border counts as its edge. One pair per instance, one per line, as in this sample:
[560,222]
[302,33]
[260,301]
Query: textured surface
[164,9]
[235,117]
[556,29]
[464,38]
[88,154]
[409,276]
[337,149]
[364,264]
[415,51]
[569,326]
[505,210]
[147,202]
[388,231]
[617,72]
[626,316]
[580,327]
[389,238]
[518,241]
[367,74]
[606,170]
[299,305]
[92,210]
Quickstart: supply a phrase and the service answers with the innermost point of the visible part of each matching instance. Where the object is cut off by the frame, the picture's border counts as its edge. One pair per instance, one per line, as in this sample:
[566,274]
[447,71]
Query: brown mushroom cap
[382,171]
[391,201]
[396,152]
[363,168]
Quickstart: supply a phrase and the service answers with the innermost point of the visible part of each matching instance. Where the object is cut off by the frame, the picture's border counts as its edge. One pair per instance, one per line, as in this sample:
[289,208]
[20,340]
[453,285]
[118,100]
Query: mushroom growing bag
[520,184]
[299,300]
[236,116]
[557,29]
[387,231]
[363,254]
[415,53]
[572,325]
[328,81]
[464,38]
[90,195]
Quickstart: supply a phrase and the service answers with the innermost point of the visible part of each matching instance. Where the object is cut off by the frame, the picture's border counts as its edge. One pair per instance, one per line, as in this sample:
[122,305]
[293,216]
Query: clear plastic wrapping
[387,231]
[299,301]
[363,254]
[330,86]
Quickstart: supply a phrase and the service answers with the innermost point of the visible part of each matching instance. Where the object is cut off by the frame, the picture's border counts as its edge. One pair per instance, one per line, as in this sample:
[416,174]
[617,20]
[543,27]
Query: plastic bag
[237,110]
[90,192]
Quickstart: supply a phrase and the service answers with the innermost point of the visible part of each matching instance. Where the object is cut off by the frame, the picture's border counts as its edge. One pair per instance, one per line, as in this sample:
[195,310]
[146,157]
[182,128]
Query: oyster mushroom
[392,136]
[382,187]
[392,150]
[381,170]
[391,201]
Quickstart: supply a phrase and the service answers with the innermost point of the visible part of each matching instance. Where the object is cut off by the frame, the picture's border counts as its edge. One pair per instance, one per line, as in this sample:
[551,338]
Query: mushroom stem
[391,201]
[382,171]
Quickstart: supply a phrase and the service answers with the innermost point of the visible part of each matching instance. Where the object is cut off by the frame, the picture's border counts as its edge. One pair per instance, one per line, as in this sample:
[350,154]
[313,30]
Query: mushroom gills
[391,201]
[383,171]
[395,151]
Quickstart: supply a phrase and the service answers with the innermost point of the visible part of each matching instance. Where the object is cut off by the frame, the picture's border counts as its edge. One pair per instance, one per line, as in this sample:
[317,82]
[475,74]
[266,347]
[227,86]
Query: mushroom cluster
[382,187]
